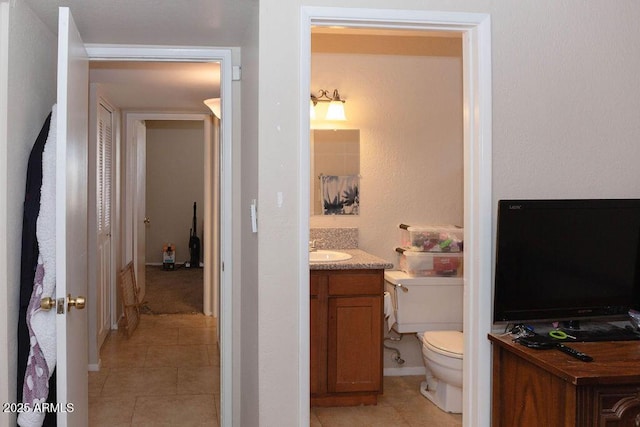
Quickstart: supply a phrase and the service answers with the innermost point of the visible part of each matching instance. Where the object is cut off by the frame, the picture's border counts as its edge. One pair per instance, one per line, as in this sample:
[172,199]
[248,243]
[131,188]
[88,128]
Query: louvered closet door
[104,181]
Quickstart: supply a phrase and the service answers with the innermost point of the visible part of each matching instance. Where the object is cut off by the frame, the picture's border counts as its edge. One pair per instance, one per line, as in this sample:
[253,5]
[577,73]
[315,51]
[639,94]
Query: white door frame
[224,57]
[476,36]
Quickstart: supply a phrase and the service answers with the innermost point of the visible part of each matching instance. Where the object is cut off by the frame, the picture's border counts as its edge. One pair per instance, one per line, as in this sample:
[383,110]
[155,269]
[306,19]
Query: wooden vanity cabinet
[346,336]
[549,388]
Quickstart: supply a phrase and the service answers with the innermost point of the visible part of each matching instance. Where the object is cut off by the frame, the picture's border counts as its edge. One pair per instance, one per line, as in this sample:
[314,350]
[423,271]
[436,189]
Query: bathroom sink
[322,255]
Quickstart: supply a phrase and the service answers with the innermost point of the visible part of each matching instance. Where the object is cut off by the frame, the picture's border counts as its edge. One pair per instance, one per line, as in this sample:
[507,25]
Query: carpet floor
[173,291]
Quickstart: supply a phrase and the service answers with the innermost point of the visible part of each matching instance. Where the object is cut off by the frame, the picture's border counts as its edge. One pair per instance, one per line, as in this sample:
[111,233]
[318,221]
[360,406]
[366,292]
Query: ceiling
[156,85]
[154,22]
[384,32]
[162,86]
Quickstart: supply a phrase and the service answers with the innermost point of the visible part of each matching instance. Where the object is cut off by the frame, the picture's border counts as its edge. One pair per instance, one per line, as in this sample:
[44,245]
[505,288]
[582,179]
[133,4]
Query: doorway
[208,209]
[475,31]
[174,189]
[403,91]
[224,159]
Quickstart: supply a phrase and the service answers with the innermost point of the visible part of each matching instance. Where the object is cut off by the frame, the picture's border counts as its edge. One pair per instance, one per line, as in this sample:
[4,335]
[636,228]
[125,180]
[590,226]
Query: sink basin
[322,255]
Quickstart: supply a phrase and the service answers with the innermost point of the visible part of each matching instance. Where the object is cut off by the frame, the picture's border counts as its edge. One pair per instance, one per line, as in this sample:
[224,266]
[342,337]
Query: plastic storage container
[433,238]
[427,264]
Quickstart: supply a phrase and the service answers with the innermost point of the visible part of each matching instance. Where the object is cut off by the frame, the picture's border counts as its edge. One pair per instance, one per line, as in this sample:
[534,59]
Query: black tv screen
[566,259]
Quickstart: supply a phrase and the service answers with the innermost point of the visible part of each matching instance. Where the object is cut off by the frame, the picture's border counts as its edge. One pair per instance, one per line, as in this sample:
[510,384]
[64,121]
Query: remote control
[575,353]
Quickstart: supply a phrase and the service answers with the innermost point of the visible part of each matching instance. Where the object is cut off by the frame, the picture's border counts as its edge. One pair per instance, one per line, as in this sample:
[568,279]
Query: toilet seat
[447,343]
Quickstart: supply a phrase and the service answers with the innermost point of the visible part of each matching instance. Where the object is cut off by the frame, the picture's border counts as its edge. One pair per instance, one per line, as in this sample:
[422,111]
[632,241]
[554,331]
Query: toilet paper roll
[389,311]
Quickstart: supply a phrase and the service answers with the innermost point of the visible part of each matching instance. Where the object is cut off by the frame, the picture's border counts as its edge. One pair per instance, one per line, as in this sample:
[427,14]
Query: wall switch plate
[254,217]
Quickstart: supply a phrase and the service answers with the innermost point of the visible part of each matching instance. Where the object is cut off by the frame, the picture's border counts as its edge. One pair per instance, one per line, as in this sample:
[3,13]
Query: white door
[104,152]
[140,220]
[71,221]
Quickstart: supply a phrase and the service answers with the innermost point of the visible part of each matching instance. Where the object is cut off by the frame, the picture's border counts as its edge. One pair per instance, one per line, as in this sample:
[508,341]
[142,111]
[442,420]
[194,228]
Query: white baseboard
[114,326]
[160,264]
[399,372]
[94,367]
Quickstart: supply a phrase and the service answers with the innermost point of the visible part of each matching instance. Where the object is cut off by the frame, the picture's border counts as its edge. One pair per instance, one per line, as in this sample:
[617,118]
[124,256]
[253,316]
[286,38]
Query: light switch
[254,217]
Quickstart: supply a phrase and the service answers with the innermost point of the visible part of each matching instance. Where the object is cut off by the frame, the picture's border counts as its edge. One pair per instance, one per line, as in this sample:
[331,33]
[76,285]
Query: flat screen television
[567,259]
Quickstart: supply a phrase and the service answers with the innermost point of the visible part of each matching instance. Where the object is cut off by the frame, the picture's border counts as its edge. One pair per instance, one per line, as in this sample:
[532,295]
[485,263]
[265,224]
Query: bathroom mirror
[335,172]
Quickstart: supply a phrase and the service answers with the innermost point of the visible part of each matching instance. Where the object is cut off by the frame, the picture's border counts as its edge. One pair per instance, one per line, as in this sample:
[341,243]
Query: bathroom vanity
[347,330]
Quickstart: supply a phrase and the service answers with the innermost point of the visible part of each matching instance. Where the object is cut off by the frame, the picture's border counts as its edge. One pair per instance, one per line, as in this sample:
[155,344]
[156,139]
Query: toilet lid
[450,343]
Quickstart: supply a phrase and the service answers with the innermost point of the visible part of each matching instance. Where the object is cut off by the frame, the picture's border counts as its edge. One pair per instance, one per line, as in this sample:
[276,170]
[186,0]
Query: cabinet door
[318,349]
[354,344]
[318,334]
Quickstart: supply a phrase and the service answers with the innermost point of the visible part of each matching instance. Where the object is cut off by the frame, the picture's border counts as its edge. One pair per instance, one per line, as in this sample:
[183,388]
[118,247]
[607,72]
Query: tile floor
[401,405]
[167,374]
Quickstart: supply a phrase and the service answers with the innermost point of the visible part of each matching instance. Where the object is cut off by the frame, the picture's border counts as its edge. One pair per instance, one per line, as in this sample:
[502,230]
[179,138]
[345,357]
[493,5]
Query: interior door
[71,222]
[141,222]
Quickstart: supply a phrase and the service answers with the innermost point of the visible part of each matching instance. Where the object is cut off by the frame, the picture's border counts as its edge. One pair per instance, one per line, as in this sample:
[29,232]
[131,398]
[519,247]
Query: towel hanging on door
[42,323]
[28,264]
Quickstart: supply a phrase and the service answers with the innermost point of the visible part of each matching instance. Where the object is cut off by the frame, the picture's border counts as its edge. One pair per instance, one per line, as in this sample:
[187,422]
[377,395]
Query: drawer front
[618,406]
[357,283]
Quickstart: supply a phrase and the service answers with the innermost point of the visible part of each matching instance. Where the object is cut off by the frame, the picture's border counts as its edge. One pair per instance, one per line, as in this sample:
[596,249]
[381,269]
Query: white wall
[246,390]
[565,124]
[409,112]
[174,180]
[31,91]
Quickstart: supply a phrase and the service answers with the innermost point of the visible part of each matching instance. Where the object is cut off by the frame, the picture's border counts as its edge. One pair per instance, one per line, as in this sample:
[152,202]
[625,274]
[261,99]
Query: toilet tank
[425,303]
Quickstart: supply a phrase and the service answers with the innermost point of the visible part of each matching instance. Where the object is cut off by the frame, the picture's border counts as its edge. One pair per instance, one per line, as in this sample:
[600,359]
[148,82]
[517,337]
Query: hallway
[166,374]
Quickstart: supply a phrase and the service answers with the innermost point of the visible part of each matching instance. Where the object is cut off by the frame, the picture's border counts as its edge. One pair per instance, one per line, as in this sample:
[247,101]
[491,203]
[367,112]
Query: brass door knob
[147,220]
[77,302]
[47,303]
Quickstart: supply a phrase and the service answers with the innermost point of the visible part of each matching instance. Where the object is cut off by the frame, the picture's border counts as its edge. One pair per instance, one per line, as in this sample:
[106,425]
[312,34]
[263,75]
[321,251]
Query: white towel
[44,320]
[389,310]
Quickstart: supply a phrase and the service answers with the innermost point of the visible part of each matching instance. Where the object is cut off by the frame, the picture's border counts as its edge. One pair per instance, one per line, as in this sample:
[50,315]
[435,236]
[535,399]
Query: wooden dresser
[552,389]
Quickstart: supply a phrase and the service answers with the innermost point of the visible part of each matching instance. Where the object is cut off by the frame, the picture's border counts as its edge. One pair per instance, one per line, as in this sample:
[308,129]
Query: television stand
[533,388]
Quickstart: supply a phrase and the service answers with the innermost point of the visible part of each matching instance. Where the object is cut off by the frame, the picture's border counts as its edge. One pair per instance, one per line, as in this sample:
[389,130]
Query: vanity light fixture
[214,106]
[336,104]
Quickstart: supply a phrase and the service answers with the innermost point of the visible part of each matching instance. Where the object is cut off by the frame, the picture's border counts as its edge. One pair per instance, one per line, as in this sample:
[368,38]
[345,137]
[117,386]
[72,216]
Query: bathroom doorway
[403,96]
[475,32]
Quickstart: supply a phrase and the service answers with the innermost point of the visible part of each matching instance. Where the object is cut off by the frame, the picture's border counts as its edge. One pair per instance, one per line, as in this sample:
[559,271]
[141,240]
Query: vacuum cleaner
[194,243]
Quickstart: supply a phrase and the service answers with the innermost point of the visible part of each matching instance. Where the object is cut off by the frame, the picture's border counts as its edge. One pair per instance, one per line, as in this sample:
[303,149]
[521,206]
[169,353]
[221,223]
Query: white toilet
[432,307]
[442,354]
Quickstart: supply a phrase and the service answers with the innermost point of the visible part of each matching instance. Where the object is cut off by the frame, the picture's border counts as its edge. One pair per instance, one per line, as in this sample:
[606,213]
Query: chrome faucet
[312,245]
